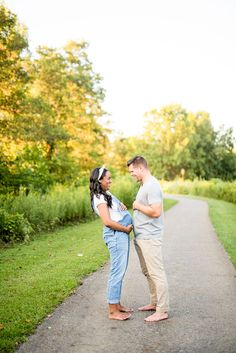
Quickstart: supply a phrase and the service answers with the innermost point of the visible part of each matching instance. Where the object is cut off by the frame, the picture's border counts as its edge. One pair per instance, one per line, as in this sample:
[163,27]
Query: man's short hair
[137,160]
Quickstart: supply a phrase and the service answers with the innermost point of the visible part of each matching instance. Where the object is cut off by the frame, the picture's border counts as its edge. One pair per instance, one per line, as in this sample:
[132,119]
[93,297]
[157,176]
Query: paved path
[202,283]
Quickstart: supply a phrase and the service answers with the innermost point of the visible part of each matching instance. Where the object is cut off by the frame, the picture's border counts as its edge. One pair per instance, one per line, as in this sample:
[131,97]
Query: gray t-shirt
[146,227]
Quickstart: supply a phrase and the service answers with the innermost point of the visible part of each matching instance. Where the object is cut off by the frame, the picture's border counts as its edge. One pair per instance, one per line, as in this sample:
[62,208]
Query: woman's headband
[101,170]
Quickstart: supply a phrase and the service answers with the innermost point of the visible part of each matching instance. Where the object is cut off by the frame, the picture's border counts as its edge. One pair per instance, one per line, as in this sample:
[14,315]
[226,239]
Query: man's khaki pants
[150,256]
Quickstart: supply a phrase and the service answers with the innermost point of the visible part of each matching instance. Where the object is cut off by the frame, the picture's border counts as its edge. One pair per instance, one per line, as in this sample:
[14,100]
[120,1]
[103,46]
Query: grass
[37,276]
[223,218]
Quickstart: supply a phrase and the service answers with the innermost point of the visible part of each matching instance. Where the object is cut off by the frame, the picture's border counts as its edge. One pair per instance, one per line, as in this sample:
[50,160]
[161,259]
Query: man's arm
[153,210]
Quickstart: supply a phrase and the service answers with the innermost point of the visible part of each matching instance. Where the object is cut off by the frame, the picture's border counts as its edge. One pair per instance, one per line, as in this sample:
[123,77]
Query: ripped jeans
[118,244]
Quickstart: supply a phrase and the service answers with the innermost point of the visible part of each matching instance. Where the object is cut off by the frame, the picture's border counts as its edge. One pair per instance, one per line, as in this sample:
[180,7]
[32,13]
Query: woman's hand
[129,228]
[123,207]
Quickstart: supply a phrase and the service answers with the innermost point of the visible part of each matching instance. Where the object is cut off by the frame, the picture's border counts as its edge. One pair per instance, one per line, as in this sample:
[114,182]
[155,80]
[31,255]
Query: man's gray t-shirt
[146,227]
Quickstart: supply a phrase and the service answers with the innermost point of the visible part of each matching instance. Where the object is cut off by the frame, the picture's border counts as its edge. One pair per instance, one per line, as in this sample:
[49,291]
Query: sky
[150,53]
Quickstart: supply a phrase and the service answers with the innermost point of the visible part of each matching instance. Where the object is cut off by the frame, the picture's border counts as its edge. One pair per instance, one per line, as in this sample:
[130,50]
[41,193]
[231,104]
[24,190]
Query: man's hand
[153,210]
[136,205]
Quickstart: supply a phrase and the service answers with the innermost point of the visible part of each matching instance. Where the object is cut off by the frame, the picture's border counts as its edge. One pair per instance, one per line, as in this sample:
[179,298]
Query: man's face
[135,172]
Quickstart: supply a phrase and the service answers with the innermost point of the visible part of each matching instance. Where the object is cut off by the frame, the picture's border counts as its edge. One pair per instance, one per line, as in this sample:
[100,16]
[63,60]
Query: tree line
[50,129]
[181,144]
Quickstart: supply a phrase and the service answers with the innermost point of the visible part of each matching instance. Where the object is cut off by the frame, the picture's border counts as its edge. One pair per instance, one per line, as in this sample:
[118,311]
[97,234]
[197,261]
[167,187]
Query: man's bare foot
[117,315]
[124,309]
[148,307]
[156,317]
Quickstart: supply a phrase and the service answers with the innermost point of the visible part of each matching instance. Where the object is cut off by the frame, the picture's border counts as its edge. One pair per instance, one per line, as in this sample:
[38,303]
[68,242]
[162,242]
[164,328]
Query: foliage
[179,143]
[25,215]
[122,149]
[215,189]
[166,135]
[37,277]
[221,210]
[125,190]
[50,130]
[13,76]
[13,227]
[50,107]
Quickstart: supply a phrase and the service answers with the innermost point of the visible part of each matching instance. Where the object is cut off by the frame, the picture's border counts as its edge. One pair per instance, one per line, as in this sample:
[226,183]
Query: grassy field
[37,276]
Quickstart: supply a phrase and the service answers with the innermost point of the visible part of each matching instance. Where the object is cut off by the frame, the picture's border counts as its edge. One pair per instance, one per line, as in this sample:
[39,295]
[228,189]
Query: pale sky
[150,53]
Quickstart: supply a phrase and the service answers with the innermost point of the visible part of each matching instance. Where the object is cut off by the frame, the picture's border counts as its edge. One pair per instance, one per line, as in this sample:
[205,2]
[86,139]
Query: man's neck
[147,175]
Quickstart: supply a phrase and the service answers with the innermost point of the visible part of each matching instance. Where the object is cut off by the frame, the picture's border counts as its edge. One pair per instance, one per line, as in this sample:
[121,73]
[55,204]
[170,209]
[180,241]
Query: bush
[24,214]
[14,227]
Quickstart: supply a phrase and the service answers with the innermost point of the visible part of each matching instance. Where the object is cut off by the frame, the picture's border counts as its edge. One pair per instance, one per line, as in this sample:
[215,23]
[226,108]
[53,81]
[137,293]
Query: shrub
[24,214]
[14,227]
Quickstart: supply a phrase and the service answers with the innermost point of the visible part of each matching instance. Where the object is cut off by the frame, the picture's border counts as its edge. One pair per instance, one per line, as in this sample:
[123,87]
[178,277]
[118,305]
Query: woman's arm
[107,221]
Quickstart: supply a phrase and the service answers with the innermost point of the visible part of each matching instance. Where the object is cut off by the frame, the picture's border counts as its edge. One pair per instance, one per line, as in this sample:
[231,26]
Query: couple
[148,229]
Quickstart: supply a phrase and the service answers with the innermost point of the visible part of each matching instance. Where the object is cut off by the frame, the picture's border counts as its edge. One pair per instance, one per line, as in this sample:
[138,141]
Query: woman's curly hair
[95,187]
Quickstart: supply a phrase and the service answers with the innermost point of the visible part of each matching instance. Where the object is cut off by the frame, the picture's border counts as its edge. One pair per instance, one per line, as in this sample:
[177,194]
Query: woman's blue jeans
[118,244]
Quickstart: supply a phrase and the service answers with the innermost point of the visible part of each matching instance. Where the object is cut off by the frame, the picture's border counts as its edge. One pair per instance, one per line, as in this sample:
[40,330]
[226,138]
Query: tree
[13,75]
[49,110]
[13,88]
[167,134]
[225,157]
[121,150]
[201,147]
[66,101]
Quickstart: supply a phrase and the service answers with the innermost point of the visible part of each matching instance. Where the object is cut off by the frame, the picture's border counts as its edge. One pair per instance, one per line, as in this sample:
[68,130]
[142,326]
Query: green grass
[223,218]
[168,203]
[37,276]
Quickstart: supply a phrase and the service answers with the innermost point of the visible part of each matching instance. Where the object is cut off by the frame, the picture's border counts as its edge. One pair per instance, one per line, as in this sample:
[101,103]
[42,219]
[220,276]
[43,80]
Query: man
[148,230]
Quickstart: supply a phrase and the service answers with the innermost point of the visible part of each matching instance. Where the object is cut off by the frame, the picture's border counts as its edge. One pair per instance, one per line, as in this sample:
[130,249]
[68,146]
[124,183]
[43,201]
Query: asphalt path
[202,285]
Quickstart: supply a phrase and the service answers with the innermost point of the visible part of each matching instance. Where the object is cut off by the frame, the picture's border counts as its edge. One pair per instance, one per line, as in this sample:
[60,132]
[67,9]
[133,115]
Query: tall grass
[25,215]
[215,188]
[43,212]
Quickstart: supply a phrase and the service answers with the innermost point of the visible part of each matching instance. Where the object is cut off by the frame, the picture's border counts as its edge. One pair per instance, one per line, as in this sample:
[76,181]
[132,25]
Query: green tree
[201,147]
[167,133]
[13,90]
[121,150]
[225,157]
[13,75]
[181,143]
[49,111]
[66,101]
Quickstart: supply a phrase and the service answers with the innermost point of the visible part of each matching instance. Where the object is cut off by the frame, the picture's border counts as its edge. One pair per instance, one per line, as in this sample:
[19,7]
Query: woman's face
[106,181]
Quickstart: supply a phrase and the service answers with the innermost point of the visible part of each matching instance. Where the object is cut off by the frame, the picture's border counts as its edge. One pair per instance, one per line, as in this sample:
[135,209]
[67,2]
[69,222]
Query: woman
[117,226]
